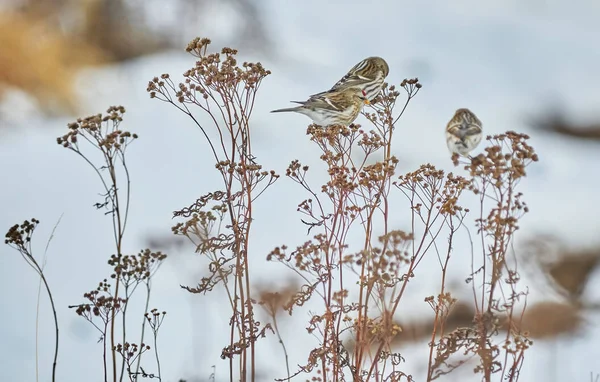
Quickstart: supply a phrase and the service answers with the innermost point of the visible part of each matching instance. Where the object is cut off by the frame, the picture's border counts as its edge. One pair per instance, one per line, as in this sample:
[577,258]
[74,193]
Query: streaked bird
[368,75]
[332,107]
[463,132]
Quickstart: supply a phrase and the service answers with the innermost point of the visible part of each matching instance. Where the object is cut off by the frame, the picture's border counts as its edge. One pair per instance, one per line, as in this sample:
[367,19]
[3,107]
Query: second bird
[463,132]
[368,76]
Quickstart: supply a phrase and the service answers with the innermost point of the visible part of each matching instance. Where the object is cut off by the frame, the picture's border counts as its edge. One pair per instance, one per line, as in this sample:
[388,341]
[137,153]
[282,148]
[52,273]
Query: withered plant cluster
[100,142]
[360,290]
[19,238]
[219,223]
[356,327]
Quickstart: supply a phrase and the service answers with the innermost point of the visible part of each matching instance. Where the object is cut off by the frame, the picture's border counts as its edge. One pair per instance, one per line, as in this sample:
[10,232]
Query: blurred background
[530,66]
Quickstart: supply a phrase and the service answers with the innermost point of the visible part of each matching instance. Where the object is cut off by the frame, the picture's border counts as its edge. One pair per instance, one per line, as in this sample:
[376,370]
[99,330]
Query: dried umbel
[101,304]
[437,192]
[101,131]
[133,270]
[19,235]
[216,77]
[384,113]
[500,170]
[505,159]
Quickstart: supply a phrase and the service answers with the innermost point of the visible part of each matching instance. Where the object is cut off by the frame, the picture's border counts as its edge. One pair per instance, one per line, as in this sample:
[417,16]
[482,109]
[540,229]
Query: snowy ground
[506,61]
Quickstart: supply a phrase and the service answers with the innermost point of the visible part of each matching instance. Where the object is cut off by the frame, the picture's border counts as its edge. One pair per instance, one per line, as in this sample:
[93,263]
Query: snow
[506,61]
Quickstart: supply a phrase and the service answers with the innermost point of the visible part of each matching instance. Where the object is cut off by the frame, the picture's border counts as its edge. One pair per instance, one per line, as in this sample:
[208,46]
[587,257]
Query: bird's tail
[293,109]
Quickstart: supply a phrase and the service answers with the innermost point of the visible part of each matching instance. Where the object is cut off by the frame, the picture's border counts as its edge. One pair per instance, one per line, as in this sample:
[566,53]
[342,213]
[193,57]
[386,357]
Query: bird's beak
[367,102]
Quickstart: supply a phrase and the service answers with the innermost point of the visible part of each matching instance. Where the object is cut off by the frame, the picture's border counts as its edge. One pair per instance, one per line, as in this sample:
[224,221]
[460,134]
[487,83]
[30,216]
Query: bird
[368,75]
[463,132]
[332,107]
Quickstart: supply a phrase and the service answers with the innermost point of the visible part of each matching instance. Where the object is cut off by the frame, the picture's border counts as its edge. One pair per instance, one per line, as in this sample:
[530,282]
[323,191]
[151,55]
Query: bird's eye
[364,93]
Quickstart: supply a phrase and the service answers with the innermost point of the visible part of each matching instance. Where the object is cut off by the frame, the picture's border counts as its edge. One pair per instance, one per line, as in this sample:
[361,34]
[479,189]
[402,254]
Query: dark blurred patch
[461,316]
[542,320]
[120,32]
[39,60]
[44,42]
[168,243]
[556,122]
[250,26]
[125,29]
[550,319]
[572,272]
[274,299]
[567,270]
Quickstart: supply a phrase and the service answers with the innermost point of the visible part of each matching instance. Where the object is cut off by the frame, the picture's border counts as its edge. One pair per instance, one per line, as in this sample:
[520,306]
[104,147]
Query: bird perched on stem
[463,132]
[368,75]
[332,107]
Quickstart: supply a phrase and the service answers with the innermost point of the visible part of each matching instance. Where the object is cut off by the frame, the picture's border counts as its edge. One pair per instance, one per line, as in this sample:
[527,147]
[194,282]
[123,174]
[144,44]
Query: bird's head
[381,64]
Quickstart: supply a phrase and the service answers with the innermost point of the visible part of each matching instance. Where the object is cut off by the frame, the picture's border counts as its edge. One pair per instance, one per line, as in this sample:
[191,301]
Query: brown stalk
[225,92]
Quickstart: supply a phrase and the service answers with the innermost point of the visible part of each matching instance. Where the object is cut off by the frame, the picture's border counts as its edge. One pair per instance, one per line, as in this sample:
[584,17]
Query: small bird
[332,107]
[368,75]
[463,132]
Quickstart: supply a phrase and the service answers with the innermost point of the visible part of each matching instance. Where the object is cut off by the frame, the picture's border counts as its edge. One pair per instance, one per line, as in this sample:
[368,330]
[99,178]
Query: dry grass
[45,42]
[38,59]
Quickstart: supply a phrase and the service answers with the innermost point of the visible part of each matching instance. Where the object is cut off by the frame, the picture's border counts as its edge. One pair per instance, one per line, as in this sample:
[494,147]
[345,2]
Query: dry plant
[19,238]
[358,194]
[360,291]
[100,142]
[356,329]
[494,177]
[219,222]
[104,304]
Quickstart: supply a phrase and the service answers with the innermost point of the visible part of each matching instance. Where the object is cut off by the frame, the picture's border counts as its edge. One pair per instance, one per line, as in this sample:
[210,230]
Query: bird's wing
[347,82]
[351,77]
[350,81]
[318,95]
[321,101]
[325,101]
